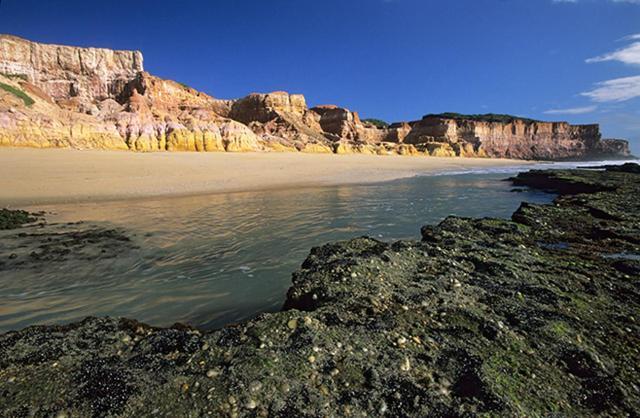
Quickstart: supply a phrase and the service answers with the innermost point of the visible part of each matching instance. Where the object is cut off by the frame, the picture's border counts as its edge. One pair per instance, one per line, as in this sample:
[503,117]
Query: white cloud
[616,90]
[628,55]
[572,111]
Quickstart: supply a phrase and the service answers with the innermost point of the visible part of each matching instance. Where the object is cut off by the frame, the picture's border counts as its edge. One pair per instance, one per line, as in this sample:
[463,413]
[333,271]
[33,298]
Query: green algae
[12,219]
[476,319]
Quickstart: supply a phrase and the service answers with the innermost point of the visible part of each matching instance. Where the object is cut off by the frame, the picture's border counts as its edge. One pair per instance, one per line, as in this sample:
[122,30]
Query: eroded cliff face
[64,72]
[517,138]
[150,115]
[60,96]
[102,99]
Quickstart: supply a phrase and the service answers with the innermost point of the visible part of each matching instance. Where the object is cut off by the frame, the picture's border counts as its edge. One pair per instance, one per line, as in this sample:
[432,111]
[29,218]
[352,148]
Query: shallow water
[213,260]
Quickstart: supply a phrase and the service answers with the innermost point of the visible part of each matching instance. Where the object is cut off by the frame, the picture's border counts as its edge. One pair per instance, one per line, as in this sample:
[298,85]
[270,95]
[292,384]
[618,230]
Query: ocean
[212,260]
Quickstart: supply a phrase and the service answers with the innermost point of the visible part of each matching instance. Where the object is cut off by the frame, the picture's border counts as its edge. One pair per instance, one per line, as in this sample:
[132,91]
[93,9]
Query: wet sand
[43,176]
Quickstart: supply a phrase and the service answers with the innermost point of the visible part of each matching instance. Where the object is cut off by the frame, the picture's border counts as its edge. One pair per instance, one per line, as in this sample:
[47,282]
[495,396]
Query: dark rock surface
[25,244]
[537,316]
[12,219]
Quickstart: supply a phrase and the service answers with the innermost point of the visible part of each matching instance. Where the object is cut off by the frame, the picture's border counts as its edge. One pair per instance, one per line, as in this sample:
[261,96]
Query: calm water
[212,260]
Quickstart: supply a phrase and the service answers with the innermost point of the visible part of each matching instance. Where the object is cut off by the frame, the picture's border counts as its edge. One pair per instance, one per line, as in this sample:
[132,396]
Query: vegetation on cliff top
[488,117]
[28,101]
[378,123]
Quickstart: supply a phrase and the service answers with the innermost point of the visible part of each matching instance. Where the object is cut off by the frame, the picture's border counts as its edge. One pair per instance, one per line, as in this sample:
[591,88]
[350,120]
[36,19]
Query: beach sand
[44,176]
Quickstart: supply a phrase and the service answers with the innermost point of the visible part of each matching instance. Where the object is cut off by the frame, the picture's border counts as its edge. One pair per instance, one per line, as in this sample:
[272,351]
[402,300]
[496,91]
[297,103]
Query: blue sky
[575,60]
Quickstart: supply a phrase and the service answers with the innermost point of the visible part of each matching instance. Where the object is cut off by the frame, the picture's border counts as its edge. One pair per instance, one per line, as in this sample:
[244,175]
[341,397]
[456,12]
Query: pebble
[292,324]
[312,359]
[251,404]
[255,386]
[406,365]
[354,275]
[401,341]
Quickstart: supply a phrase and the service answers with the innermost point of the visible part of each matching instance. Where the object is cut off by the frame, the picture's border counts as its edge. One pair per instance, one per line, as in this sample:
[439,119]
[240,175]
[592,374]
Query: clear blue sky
[391,59]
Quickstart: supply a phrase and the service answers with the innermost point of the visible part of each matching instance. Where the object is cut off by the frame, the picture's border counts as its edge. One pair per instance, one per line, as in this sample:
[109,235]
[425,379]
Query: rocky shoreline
[534,316]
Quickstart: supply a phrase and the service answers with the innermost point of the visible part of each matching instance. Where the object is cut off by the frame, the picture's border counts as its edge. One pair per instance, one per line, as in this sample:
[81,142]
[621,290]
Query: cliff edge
[63,96]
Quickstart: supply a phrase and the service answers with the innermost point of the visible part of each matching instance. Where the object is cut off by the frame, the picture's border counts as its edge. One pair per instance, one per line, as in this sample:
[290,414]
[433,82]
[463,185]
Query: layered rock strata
[61,96]
[534,316]
[90,74]
[515,138]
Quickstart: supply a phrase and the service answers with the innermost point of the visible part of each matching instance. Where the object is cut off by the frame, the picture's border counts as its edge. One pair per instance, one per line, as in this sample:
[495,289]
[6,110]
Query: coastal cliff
[90,98]
[88,74]
[502,136]
[533,316]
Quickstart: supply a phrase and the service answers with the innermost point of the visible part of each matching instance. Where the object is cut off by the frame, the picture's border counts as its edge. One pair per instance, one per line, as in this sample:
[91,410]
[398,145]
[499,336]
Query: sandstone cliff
[90,74]
[60,96]
[514,137]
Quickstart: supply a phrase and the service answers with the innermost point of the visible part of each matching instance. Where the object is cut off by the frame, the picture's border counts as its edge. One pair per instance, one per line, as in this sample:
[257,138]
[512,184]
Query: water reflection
[212,260]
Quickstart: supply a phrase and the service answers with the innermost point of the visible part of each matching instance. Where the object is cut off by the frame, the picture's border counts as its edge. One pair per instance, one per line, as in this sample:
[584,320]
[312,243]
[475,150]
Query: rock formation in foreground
[61,96]
[534,316]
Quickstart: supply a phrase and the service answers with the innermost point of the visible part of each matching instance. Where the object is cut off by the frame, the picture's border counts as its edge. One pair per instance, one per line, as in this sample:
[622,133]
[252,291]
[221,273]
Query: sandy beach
[43,176]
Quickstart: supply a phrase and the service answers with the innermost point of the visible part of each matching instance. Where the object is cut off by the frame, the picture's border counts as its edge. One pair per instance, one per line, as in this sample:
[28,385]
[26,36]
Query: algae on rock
[534,316]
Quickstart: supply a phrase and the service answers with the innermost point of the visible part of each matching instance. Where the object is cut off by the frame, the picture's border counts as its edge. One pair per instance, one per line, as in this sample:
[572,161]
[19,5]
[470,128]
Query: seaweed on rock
[534,316]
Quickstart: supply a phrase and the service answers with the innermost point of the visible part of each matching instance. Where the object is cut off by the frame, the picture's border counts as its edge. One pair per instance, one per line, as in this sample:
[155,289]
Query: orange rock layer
[61,96]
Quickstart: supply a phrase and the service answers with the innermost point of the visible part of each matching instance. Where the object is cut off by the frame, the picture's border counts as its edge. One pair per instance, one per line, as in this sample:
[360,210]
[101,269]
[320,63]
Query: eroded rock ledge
[91,98]
[535,316]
